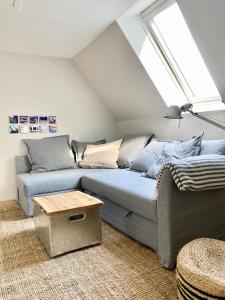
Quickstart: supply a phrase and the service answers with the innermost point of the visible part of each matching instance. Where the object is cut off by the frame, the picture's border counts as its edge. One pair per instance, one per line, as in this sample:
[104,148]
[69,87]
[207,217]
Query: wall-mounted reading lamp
[175,112]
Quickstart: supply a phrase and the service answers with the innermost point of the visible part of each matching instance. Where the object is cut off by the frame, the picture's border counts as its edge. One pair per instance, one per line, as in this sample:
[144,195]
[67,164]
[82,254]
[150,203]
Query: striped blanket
[197,173]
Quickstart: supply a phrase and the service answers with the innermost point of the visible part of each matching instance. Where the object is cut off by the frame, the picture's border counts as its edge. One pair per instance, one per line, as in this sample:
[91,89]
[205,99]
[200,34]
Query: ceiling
[58,28]
[114,71]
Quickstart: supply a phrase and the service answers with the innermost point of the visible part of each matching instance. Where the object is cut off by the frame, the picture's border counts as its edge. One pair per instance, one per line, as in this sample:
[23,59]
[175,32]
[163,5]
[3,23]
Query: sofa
[164,221]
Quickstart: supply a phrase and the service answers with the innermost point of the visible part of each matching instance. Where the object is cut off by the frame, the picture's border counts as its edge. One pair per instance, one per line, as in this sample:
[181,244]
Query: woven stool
[201,270]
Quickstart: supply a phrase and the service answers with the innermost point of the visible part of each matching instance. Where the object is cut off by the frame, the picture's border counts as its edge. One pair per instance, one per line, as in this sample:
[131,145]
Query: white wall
[115,72]
[168,129]
[37,85]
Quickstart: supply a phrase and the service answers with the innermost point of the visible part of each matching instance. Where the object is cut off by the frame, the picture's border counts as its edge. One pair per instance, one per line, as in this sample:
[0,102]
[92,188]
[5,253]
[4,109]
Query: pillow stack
[55,153]
[157,153]
[133,151]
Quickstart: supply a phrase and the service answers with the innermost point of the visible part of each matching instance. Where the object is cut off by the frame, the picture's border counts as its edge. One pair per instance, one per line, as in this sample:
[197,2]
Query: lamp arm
[206,119]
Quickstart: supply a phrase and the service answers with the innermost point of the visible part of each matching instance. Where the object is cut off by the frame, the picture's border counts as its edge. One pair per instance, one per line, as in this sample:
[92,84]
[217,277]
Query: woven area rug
[119,268]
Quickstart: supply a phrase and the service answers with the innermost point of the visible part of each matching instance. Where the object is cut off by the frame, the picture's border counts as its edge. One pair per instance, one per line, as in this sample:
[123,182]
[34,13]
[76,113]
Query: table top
[65,202]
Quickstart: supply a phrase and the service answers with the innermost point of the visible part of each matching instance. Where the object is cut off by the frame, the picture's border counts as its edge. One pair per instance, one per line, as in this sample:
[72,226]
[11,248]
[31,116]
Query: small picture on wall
[43,119]
[13,119]
[13,128]
[52,119]
[52,128]
[24,128]
[34,128]
[44,128]
[33,119]
[24,119]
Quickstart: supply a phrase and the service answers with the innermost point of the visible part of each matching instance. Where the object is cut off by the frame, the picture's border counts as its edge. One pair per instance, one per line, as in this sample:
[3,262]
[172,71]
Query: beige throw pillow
[101,156]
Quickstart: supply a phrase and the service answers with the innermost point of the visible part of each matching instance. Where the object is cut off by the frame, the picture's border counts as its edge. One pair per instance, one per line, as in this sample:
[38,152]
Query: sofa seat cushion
[126,188]
[50,182]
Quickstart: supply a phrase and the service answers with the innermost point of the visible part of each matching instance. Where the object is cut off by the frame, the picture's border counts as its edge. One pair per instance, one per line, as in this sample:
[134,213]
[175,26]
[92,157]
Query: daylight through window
[179,55]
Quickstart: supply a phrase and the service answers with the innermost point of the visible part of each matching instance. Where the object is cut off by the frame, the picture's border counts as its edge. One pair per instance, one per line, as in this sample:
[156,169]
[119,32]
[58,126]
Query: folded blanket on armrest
[197,173]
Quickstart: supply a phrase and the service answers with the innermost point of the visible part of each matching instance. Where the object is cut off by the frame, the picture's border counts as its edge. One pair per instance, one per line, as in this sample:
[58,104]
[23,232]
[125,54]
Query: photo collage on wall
[32,124]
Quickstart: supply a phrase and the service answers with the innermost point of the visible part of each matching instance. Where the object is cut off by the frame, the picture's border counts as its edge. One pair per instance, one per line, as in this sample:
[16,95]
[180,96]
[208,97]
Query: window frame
[167,57]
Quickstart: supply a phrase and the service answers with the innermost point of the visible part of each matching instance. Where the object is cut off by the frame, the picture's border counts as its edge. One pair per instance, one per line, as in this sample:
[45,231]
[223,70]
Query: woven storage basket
[201,270]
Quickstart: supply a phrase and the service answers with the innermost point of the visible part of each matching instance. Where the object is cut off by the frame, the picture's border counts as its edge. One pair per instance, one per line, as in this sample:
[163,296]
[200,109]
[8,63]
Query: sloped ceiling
[59,28]
[115,72]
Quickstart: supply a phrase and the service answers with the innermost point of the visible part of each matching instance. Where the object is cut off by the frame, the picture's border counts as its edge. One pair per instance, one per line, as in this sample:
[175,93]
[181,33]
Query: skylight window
[185,75]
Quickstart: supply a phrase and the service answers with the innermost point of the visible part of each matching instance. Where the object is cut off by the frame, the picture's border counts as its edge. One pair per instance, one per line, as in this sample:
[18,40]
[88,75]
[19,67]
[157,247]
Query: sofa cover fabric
[79,148]
[184,216]
[101,156]
[165,224]
[139,228]
[131,147]
[49,182]
[213,147]
[50,154]
[126,188]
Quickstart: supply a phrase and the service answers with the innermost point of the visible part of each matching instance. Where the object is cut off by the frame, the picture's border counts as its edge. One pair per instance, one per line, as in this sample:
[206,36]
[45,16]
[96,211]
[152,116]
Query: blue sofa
[164,222]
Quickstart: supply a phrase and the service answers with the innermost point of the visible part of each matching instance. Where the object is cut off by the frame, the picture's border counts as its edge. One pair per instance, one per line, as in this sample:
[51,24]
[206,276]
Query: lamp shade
[173,112]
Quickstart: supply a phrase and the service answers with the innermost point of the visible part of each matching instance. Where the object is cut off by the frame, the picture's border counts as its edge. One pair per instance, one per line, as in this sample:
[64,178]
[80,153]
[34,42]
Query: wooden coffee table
[67,221]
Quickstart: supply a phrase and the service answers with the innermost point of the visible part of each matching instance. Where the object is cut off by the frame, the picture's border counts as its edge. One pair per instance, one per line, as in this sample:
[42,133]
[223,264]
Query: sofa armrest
[184,216]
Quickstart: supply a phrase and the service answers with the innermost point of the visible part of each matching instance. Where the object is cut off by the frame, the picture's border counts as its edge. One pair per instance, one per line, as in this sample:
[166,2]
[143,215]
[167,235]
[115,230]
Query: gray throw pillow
[148,156]
[213,147]
[131,147]
[80,147]
[175,150]
[49,154]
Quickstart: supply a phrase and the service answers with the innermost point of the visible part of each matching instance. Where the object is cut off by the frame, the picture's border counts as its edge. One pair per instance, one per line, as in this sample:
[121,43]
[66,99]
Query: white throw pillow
[101,156]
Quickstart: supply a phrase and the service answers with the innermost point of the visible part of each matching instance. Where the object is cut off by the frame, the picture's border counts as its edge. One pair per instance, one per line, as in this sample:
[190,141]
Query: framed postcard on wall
[34,128]
[13,128]
[44,128]
[24,128]
[24,119]
[43,119]
[52,119]
[52,128]
[34,119]
[13,119]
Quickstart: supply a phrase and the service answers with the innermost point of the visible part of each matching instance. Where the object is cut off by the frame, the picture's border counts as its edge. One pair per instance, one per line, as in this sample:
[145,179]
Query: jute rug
[118,269]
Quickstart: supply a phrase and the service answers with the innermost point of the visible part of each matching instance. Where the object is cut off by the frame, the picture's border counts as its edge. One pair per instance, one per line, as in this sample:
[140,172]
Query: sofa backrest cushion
[131,147]
[101,156]
[175,150]
[22,164]
[148,156]
[213,147]
[49,154]
[80,147]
